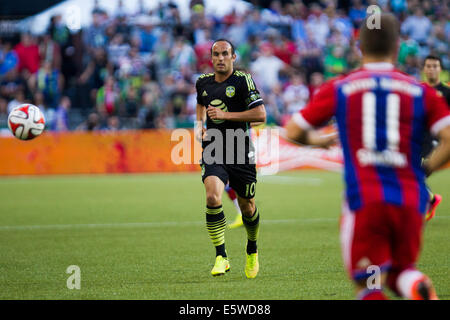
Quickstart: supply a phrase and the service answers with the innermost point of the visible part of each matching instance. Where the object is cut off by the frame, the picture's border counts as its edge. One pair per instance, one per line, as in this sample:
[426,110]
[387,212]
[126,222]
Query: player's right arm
[441,155]
[438,120]
[199,127]
[318,111]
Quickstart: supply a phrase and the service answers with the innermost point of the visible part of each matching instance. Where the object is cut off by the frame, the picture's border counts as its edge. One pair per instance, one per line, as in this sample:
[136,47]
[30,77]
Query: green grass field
[144,237]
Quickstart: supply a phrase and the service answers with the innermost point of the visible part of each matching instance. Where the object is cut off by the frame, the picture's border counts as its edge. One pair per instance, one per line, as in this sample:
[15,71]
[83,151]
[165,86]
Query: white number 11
[369,124]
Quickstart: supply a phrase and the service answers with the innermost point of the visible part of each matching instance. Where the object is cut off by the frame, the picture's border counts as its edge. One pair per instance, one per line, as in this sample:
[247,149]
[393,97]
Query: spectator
[58,31]
[108,98]
[146,33]
[113,123]
[8,59]
[131,102]
[275,107]
[182,55]
[149,112]
[417,26]
[266,68]
[50,83]
[357,13]
[316,81]
[61,121]
[95,73]
[50,51]
[335,62]
[92,123]
[310,54]
[398,6]
[254,25]
[296,94]
[28,54]
[117,49]
[94,36]
[319,24]
[408,47]
[237,33]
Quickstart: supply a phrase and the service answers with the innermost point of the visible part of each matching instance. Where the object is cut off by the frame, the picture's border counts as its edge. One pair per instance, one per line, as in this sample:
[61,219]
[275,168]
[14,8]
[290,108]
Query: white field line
[290,180]
[163,224]
[147,224]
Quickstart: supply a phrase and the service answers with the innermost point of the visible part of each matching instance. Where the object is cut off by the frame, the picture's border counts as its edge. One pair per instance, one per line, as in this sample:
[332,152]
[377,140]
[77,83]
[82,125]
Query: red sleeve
[319,110]
[437,112]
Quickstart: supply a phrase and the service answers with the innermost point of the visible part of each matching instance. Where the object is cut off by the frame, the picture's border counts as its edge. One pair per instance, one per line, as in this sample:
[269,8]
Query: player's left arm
[300,128]
[256,111]
[257,114]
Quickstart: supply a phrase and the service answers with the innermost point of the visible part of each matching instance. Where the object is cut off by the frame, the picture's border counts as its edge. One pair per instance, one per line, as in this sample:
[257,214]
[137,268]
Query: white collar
[378,66]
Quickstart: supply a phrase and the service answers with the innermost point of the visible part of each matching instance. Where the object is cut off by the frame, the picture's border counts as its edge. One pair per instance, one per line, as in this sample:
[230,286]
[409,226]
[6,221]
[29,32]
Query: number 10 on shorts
[250,189]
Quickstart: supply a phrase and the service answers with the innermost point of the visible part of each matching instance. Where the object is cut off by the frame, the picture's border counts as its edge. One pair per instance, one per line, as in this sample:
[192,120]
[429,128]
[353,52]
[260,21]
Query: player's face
[222,58]
[432,69]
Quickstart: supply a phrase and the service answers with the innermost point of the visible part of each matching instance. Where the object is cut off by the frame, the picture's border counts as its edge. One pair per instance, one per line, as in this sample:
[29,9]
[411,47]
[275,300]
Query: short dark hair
[382,41]
[432,57]
[223,39]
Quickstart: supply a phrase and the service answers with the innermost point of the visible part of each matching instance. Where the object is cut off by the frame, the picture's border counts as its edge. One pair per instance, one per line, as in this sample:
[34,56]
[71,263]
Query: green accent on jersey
[206,75]
[248,79]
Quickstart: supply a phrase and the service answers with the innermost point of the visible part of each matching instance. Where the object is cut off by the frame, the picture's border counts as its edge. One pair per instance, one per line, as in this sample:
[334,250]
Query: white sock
[236,204]
[405,281]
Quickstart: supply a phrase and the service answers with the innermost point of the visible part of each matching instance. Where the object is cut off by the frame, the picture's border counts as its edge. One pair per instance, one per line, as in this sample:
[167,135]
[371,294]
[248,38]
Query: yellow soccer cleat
[221,266]
[236,223]
[252,265]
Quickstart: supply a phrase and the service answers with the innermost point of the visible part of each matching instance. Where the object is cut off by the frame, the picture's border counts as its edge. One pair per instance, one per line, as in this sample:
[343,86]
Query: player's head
[222,56]
[381,41]
[432,68]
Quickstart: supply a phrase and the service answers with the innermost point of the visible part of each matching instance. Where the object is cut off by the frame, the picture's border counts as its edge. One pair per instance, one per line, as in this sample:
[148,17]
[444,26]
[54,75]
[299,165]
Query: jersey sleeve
[198,87]
[252,97]
[437,112]
[319,110]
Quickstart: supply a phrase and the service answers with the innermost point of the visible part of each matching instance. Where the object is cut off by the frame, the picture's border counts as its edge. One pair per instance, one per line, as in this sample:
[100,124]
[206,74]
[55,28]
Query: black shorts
[241,177]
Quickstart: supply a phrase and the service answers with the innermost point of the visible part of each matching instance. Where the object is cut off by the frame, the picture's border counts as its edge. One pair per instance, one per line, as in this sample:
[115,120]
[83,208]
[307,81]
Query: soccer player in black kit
[228,101]
[432,68]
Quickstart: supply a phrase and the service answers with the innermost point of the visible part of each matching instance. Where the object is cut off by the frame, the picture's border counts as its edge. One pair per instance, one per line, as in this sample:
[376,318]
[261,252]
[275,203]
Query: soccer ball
[26,121]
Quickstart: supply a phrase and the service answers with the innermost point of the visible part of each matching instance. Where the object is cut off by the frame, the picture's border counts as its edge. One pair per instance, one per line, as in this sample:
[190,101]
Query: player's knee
[213,200]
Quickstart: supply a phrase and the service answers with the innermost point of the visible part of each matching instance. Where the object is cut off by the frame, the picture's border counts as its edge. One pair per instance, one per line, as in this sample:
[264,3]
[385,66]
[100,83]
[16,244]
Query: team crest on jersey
[229,91]
[204,94]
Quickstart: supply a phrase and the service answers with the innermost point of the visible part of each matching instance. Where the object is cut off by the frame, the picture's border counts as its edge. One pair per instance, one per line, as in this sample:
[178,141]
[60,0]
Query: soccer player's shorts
[380,236]
[241,177]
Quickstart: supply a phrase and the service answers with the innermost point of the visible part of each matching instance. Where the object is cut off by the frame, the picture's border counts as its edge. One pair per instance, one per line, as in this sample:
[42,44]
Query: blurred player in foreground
[432,68]
[382,115]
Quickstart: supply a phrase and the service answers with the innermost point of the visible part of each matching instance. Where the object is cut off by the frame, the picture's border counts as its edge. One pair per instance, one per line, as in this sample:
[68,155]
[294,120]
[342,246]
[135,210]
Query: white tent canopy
[78,13]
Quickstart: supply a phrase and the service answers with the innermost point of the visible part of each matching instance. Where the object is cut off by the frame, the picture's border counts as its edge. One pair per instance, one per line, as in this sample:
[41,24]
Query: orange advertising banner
[96,152]
[147,151]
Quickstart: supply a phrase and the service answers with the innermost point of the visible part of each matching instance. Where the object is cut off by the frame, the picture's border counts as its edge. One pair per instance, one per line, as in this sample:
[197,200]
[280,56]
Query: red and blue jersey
[382,116]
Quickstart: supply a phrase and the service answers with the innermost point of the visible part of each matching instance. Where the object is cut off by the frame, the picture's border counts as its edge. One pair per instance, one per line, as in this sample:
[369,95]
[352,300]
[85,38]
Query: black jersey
[236,94]
[429,141]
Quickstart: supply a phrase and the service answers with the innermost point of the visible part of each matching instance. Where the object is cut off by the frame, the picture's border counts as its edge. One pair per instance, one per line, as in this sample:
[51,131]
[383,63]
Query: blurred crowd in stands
[128,71]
